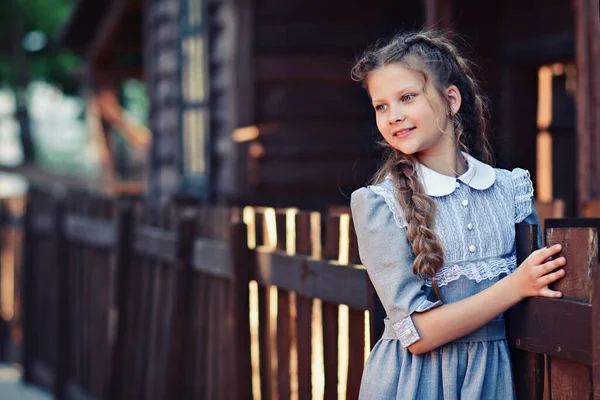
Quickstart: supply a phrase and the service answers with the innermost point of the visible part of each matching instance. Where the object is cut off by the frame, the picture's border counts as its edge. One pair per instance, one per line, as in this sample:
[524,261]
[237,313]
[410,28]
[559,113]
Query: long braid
[437,59]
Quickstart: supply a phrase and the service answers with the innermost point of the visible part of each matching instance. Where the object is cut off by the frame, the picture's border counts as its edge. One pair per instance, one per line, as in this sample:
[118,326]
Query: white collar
[479,176]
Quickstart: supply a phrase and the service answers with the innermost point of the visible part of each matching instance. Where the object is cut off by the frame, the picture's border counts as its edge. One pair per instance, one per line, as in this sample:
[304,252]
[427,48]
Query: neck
[449,163]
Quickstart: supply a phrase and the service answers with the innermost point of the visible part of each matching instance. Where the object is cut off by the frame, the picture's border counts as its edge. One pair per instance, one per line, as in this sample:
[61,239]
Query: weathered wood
[154,242]
[438,14]
[528,374]
[356,352]
[314,278]
[63,295]
[285,101]
[283,344]
[123,259]
[264,342]
[545,332]
[580,248]
[596,332]
[583,107]
[330,349]
[92,231]
[242,262]
[569,380]
[302,68]
[304,315]
[212,257]
[528,367]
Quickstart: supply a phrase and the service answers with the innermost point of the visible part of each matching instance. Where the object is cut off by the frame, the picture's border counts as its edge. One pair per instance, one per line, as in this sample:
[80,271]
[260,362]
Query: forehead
[392,78]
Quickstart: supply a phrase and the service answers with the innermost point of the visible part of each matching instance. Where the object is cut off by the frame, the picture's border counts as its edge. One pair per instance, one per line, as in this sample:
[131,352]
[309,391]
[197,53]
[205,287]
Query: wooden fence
[124,300]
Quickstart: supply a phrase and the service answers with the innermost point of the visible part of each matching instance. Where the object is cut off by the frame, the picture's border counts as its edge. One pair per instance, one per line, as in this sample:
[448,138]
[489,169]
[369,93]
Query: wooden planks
[560,330]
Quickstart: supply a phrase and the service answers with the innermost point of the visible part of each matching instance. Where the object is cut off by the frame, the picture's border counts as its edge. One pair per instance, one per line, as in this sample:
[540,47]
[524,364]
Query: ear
[454,99]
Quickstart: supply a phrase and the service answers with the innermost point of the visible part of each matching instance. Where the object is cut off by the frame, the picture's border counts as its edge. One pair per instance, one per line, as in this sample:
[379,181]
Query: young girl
[436,230]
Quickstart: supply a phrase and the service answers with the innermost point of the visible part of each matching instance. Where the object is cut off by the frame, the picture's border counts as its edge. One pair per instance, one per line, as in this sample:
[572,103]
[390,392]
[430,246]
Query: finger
[553,264]
[546,252]
[550,293]
[552,277]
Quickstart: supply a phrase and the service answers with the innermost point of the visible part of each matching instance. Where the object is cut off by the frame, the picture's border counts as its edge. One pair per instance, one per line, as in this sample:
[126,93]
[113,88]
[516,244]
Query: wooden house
[252,101]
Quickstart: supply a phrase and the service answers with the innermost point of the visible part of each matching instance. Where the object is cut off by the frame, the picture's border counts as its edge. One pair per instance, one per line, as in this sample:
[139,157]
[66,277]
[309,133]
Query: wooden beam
[108,28]
[587,100]
[438,14]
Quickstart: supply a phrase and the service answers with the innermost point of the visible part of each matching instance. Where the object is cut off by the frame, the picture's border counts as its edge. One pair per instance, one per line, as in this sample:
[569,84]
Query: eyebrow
[404,89]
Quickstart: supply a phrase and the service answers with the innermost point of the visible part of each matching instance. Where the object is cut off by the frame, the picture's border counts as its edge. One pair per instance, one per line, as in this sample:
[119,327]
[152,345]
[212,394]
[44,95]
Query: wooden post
[62,301]
[243,262]
[438,14]
[124,235]
[28,292]
[596,332]
[571,379]
[528,368]
[587,60]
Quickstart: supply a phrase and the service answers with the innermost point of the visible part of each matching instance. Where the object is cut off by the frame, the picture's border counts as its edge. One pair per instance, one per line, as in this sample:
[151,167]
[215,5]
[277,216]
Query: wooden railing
[125,300]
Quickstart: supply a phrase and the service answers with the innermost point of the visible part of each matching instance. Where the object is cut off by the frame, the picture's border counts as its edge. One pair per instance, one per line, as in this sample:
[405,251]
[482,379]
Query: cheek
[381,123]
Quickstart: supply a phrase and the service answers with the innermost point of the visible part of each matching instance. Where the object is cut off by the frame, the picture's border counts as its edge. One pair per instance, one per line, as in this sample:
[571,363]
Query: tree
[30,23]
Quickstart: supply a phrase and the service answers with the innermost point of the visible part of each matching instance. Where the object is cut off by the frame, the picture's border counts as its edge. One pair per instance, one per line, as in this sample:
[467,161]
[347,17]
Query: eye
[380,107]
[407,97]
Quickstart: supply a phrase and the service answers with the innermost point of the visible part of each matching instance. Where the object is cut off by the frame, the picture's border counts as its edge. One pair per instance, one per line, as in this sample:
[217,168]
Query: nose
[396,115]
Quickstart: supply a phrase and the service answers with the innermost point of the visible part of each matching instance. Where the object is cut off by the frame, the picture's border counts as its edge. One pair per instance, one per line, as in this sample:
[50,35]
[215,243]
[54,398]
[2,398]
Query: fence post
[124,241]
[528,368]
[243,264]
[28,291]
[596,332]
[62,302]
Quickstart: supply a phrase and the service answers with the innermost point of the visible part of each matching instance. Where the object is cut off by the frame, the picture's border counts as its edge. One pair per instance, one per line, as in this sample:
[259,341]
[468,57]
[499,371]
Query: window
[194,98]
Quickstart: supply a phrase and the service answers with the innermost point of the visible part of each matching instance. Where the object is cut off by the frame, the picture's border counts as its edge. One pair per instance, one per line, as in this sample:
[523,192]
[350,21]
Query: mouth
[400,133]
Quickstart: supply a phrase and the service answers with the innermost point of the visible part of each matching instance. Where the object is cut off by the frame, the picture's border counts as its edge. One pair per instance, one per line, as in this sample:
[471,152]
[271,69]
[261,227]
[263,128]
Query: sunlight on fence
[266,226]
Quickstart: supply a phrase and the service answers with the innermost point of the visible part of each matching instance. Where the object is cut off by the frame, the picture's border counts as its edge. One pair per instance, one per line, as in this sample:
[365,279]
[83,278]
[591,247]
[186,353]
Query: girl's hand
[535,273]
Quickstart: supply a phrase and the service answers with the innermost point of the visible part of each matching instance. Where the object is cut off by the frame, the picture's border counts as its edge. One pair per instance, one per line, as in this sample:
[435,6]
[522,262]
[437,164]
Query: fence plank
[569,380]
[356,352]
[580,248]
[304,316]
[243,263]
[596,332]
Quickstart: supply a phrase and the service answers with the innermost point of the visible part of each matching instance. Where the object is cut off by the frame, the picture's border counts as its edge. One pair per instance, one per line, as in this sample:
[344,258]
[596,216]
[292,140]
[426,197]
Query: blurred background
[239,103]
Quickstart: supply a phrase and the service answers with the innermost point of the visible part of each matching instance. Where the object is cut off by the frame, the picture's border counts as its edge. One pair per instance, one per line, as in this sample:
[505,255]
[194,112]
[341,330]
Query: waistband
[493,330]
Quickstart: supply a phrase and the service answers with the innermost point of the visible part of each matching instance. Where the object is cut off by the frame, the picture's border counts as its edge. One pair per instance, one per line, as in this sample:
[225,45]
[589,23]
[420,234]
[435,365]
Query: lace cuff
[523,194]
[386,190]
[405,328]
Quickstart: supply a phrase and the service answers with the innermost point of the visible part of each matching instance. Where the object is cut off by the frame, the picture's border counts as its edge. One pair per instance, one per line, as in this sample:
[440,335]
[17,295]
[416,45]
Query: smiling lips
[401,133]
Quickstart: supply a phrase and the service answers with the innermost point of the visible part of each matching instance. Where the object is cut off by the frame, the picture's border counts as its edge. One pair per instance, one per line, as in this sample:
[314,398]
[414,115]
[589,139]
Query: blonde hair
[437,59]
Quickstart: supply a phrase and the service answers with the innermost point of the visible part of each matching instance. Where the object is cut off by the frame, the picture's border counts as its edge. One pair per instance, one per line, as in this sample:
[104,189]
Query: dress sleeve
[524,201]
[385,253]
[523,190]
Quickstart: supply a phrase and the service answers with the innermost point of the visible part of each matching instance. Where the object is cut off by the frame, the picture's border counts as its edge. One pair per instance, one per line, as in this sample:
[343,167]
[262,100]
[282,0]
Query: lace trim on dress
[523,193]
[386,190]
[405,328]
[477,271]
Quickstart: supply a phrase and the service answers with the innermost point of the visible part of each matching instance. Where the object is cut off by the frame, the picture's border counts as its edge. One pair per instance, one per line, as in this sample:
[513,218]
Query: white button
[457,184]
[472,249]
[470,227]
[465,203]
[408,332]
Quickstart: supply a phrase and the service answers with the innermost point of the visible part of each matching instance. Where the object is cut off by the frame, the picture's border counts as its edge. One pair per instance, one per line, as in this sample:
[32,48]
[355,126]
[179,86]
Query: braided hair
[437,59]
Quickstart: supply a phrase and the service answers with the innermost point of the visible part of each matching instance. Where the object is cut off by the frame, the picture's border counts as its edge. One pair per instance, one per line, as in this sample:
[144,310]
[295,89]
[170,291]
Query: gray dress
[475,219]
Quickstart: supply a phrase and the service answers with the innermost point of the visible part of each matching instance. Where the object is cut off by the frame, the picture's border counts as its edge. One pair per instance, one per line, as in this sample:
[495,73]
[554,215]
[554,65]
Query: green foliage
[17,18]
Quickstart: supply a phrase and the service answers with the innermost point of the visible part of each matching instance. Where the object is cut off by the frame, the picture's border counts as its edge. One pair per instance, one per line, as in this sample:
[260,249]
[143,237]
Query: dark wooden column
[587,60]
[438,14]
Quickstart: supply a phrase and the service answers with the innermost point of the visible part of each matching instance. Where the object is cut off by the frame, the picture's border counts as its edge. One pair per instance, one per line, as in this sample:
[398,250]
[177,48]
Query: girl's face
[407,119]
